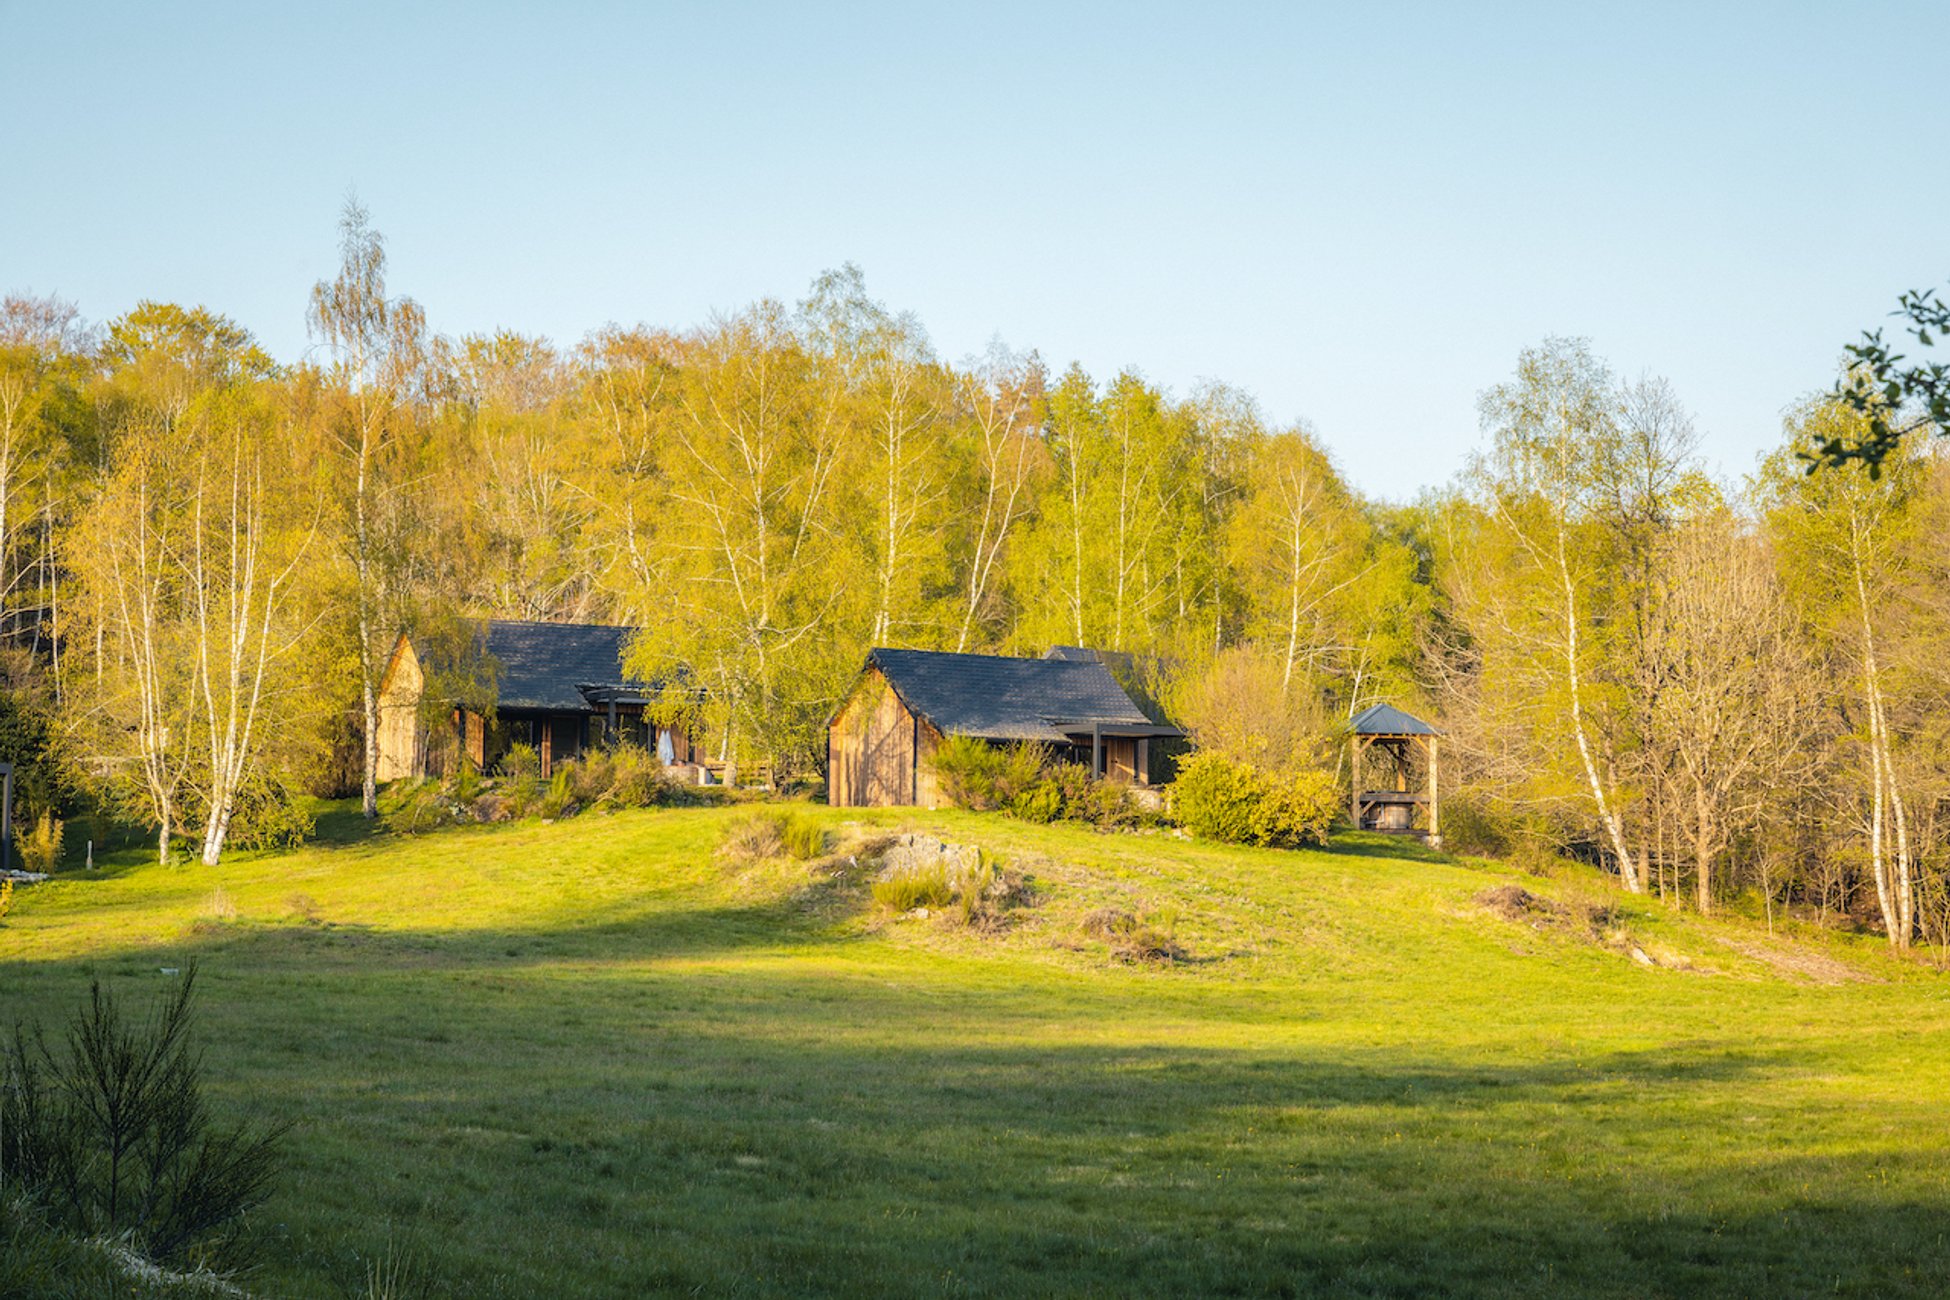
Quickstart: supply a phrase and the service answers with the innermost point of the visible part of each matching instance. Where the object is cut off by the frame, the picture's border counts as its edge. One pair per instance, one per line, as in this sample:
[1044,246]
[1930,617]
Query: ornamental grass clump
[767,833]
[924,884]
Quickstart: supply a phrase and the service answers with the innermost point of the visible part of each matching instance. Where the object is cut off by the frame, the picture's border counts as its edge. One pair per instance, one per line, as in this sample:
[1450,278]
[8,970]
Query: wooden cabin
[559,687]
[879,742]
[1396,771]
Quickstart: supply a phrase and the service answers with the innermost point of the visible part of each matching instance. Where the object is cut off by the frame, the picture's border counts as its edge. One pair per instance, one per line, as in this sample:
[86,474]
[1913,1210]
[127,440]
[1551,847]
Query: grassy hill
[590,1059]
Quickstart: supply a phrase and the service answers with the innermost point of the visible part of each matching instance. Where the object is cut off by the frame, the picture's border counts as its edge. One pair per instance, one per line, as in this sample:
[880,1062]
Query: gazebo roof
[1387,720]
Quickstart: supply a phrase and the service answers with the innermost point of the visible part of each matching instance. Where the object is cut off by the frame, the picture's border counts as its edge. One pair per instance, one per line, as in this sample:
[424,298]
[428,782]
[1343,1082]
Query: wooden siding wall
[871,757]
[402,749]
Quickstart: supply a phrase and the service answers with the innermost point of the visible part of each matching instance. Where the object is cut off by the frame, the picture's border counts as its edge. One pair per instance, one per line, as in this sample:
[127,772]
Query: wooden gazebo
[1389,786]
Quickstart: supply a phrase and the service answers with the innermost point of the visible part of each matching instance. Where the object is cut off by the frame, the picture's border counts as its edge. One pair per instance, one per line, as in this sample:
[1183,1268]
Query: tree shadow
[821,1127]
[1376,844]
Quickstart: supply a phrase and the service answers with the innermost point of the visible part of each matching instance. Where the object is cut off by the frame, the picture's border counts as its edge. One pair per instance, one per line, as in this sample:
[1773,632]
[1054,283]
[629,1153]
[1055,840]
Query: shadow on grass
[1375,844]
[779,1129]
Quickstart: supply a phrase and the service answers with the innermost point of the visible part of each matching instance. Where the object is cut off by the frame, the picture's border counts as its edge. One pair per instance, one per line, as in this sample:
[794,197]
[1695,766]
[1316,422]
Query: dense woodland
[1719,690]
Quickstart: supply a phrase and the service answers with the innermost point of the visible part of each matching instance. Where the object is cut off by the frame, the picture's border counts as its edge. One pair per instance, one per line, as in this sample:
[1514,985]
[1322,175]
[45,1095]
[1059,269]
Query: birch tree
[376,345]
[1848,534]
[1553,426]
[1001,401]
[758,565]
[241,556]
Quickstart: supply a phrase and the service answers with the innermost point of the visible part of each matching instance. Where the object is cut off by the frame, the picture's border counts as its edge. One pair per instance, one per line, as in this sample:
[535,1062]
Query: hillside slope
[590,1059]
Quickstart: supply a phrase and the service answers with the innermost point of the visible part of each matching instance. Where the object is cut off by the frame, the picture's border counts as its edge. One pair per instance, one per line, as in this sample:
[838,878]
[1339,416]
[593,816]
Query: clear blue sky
[1357,212]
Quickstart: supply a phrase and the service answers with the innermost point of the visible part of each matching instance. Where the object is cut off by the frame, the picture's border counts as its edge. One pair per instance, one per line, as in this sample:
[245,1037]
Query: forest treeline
[1714,689]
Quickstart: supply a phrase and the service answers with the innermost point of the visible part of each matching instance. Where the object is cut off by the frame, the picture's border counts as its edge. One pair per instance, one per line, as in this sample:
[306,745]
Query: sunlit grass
[591,1059]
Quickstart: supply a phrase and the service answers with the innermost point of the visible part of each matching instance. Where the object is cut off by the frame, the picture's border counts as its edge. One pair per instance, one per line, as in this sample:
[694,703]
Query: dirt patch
[1801,964]
[1147,940]
[1599,923]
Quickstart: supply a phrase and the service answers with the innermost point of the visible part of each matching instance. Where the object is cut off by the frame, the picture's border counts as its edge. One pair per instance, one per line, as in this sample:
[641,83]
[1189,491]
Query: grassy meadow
[591,1059]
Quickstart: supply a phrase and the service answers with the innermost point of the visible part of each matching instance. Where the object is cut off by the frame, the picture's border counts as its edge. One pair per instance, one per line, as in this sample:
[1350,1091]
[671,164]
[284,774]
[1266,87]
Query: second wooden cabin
[880,740]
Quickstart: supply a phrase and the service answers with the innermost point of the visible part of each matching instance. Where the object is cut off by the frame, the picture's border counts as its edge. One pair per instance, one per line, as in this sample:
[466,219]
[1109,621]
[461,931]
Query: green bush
[40,848]
[267,816]
[1296,809]
[1041,803]
[967,770]
[982,777]
[521,763]
[1217,799]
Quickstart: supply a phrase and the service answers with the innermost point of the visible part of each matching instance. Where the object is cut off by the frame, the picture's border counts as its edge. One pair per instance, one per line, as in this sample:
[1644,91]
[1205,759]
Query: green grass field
[588,1059]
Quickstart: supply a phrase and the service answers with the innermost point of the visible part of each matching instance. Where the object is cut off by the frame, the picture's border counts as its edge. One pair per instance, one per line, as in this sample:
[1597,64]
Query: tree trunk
[1703,846]
[1615,831]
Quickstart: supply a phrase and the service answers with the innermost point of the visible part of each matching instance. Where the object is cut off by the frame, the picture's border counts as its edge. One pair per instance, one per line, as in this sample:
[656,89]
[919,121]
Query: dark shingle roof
[1387,720]
[1000,698]
[541,665]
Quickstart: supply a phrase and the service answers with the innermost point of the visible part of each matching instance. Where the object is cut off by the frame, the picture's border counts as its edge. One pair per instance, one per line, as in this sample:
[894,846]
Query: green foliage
[802,837]
[111,1136]
[1892,398]
[1041,803]
[922,885]
[40,848]
[266,815]
[1218,799]
[560,797]
[1295,809]
[969,772]
[467,781]
[521,763]
[1215,798]
[1022,781]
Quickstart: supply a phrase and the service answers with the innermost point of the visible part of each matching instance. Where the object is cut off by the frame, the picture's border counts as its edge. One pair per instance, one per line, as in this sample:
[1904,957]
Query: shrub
[1215,798]
[560,798]
[111,1137]
[1296,809]
[968,771]
[40,848]
[1218,799]
[6,897]
[1041,803]
[1021,781]
[1470,826]
[266,816]
[521,763]
[466,782]
[641,782]
[983,777]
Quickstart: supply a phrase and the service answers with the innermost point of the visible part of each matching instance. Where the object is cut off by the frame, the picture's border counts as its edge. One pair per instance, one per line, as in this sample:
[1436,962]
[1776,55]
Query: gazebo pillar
[1435,792]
